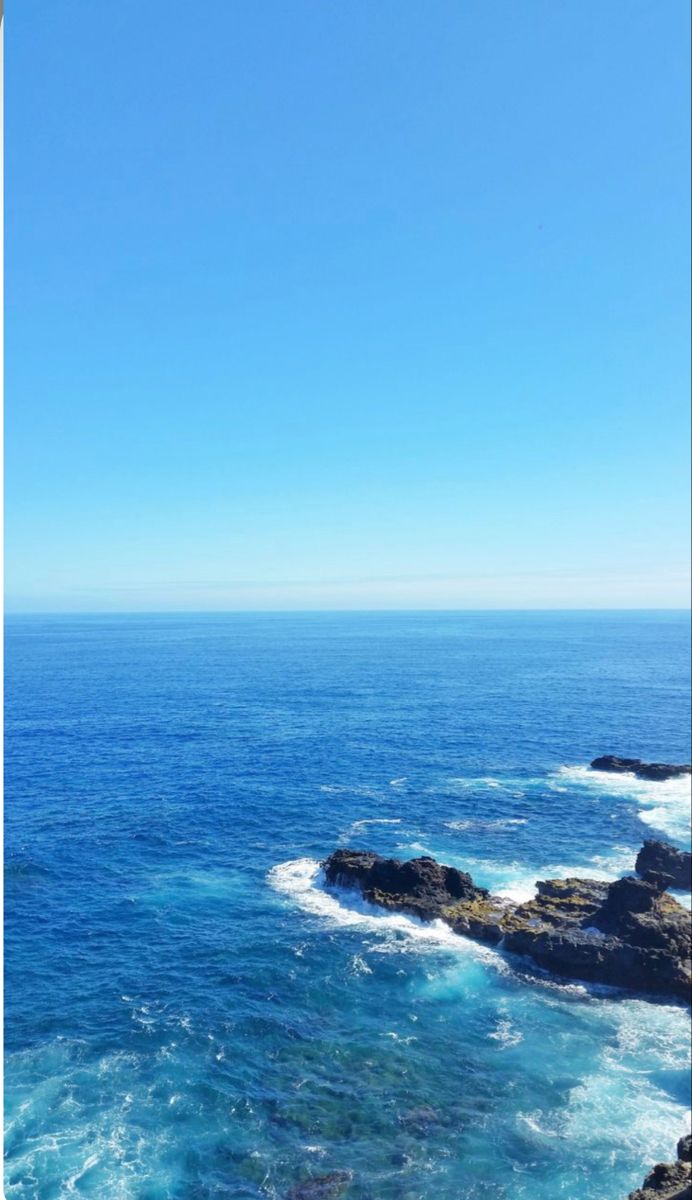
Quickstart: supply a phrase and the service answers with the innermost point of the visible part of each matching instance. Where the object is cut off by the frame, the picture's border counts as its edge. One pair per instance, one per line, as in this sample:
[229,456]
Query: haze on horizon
[366,306]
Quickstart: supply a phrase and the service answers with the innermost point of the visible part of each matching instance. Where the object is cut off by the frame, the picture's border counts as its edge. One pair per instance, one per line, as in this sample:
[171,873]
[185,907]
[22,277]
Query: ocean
[191,1015]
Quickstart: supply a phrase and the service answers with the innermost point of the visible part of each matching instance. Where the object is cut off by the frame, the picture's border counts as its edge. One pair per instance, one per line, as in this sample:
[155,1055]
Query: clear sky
[347,303]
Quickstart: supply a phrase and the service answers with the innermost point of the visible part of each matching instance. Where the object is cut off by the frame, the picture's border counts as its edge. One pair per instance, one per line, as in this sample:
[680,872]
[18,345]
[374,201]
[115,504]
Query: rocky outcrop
[669,1181]
[420,886]
[664,866]
[643,770]
[628,934]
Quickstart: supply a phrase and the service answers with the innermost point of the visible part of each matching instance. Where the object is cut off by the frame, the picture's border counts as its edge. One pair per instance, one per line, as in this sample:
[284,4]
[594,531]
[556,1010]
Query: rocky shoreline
[669,1181]
[628,934]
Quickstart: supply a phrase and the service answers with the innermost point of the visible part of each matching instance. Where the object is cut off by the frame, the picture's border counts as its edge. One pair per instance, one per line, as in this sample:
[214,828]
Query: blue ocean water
[191,1015]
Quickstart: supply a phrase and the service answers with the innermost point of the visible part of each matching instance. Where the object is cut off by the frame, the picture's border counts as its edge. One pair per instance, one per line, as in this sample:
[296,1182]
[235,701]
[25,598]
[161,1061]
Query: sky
[313,304]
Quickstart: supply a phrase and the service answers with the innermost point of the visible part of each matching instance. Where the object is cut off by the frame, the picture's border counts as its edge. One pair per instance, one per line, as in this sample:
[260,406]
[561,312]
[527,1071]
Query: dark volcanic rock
[625,897]
[655,771]
[627,934]
[664,865]
[636,937]
[322,1187]
[420,886]
[669,1181]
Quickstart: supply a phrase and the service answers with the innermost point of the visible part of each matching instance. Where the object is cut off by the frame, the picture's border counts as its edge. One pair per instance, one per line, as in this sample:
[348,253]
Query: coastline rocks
[654,771]
[669,1181]
[637,937]
[664,865]
[629,933]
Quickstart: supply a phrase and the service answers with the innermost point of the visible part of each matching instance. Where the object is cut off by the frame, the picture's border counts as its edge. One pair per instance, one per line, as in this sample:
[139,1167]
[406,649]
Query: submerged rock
[669,1181]
[663,864]
[419,1120]
[629,933]
[322,1187]
[643,770]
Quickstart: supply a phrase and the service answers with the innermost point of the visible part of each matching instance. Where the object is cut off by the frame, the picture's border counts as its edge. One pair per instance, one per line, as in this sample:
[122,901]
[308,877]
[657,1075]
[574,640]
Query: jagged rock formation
[628,934]
[663,865]
[420,886]
[669,1181]
[643,770]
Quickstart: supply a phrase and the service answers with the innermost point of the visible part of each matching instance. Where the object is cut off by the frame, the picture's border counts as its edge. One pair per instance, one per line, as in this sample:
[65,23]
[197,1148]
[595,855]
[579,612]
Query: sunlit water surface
[191,1015]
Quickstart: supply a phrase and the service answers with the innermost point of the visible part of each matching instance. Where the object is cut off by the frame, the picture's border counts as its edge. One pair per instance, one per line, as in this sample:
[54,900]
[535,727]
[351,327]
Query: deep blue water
[191,1016]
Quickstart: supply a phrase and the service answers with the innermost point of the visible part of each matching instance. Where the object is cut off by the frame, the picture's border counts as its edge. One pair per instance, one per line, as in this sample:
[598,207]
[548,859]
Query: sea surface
[192,1016]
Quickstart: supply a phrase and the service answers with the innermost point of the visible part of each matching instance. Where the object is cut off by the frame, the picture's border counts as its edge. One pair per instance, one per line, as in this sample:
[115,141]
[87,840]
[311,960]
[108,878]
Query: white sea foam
[73,1180]
[626,1102]
[620,1099]
[664,804]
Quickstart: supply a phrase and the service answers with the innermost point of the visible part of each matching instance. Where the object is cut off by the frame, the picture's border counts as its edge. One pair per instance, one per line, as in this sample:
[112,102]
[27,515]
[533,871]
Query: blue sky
[375,305]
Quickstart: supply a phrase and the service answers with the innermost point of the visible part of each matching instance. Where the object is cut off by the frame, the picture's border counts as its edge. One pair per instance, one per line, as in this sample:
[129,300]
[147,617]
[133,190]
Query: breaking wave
[664,805]
[301,880]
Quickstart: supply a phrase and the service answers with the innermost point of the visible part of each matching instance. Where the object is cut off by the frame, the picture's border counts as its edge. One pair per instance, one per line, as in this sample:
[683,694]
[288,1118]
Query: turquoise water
[191,1015]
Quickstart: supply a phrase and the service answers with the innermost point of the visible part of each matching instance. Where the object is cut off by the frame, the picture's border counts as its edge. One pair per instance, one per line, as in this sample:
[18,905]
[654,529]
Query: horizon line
[220,612]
